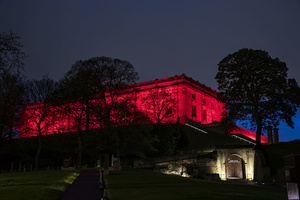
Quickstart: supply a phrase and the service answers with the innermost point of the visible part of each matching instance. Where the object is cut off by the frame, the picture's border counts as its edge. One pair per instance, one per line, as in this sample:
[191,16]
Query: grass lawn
[35,185]
[146,184]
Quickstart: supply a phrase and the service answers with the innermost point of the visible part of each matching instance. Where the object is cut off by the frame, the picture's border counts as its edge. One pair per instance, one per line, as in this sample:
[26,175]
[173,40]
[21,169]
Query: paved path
[85,187]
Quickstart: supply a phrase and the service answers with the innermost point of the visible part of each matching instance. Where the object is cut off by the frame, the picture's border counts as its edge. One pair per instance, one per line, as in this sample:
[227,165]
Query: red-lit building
[168,100]
[192,100]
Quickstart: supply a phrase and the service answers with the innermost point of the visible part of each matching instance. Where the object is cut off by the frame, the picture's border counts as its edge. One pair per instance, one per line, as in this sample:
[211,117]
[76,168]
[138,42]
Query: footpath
[85,187]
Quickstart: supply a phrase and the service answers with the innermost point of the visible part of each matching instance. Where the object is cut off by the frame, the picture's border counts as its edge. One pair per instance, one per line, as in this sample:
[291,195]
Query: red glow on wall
[167,100]
[248,133]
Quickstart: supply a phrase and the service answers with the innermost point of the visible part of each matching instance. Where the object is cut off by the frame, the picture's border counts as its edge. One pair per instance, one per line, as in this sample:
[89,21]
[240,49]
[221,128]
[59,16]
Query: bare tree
[39,115]
[160,104]
[11,83]
[95,85]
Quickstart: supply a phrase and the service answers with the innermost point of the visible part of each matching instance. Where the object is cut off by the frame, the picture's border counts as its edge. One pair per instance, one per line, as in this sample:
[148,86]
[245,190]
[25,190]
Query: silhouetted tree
[97,85]
[135,140]
[11,83]
[131,134]
[256,88]
[159,104]
[77,91]
[39,114]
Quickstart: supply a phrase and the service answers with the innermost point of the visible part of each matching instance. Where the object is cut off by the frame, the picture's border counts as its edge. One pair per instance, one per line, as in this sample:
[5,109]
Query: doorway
[235,167]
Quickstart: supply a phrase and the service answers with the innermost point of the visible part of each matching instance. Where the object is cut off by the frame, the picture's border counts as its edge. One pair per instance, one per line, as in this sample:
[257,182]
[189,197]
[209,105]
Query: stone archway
[235,167]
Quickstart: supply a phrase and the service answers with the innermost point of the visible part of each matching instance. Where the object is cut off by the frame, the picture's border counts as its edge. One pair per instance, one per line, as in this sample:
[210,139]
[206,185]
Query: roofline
[182,78]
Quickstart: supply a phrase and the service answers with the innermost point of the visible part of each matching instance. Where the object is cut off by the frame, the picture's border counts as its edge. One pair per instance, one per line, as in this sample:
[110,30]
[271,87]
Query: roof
[175,80]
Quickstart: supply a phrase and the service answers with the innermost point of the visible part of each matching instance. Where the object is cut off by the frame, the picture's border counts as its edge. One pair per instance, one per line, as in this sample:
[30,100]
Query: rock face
[232,162]
[190,165]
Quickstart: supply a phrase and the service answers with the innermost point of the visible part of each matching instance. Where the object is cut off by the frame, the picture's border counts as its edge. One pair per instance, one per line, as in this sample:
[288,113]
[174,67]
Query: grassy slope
[57,147]
[143,184]
[35,185]
[201,141]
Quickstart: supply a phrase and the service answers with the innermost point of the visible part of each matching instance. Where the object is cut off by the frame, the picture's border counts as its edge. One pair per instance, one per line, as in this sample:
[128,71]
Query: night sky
[160,38]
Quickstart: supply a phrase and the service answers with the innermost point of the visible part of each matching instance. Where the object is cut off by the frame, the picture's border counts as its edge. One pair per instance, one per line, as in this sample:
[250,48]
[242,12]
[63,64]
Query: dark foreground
[85,187]
[148,185]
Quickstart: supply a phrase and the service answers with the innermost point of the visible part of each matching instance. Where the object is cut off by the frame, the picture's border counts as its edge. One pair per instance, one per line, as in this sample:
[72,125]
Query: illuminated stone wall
[188,165]
[231,162]
[247,154]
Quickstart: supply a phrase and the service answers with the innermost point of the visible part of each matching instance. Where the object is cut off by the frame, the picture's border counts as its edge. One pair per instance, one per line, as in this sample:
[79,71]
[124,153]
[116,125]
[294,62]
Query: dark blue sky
[160,38]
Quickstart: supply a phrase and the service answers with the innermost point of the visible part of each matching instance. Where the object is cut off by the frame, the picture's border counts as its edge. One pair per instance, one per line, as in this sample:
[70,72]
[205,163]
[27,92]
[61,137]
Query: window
[194,111]
[204,100]
[193,96]
[169,111]
[204,115]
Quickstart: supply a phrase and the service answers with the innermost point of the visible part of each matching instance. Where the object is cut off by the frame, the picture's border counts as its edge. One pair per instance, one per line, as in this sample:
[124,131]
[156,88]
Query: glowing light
[248,133]
[183,98]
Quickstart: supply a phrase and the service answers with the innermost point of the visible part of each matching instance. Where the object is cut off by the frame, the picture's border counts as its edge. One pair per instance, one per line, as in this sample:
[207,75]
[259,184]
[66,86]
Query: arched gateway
[235,162]
[235,167]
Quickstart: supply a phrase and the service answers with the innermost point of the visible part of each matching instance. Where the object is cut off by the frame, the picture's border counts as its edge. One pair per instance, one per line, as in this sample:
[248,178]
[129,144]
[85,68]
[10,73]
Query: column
[276,137]
[270,135]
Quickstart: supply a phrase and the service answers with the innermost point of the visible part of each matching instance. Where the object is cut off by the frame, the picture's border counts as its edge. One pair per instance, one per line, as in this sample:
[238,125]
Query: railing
[198,129]
[235,136]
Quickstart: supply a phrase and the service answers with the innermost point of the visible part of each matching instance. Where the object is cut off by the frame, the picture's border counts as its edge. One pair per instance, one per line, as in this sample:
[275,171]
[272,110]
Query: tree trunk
[87,113]
[258,134]
[117,142]
[38,152]
[79,158]
[10,133]
[2,122]
[1,132]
